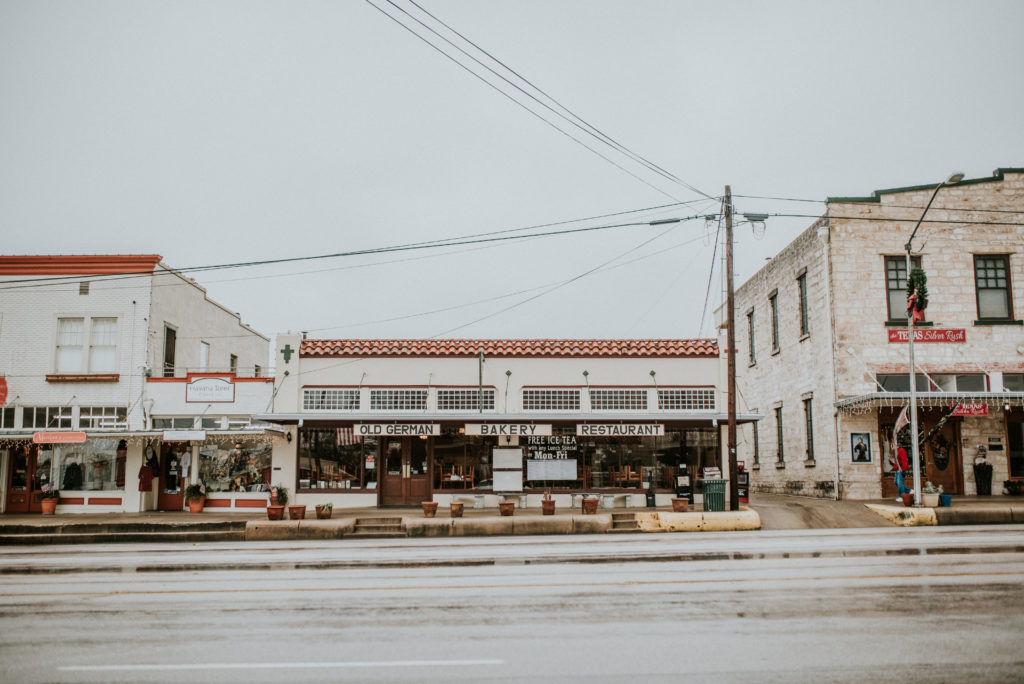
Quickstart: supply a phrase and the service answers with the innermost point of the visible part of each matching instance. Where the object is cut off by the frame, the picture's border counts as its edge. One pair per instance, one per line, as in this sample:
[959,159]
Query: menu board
[553,448]
[562,469]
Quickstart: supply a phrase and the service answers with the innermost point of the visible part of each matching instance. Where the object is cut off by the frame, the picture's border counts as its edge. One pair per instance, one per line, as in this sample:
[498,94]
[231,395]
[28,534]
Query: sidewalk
[764,512]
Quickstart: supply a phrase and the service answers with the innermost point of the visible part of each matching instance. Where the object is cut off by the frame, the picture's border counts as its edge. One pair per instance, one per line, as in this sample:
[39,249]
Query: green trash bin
[714,494]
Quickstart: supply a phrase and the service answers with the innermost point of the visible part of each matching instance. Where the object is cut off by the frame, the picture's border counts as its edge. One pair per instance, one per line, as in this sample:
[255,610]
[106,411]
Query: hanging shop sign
[510,429]
[58,438]
[620,430]
[3,391]
[954,335]
[184,435]
[210,390]
[397,429]
[971,408]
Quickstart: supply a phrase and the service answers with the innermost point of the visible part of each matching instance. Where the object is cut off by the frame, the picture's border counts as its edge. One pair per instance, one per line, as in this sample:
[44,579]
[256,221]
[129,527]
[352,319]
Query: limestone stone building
[822,352]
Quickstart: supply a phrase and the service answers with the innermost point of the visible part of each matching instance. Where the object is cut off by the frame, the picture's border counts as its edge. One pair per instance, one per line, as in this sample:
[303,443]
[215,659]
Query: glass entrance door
[172,494]
[405,480]
[29,471]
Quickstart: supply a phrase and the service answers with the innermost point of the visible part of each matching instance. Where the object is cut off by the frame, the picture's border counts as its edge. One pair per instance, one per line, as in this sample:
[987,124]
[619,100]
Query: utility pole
[734,503]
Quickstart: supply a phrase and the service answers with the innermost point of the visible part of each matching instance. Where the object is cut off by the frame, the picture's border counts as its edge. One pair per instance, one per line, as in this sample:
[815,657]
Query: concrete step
[378,521]
[376,534]
[624,522]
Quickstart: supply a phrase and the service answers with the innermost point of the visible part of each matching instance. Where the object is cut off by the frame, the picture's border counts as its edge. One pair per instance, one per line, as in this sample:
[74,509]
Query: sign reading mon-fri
[954,335]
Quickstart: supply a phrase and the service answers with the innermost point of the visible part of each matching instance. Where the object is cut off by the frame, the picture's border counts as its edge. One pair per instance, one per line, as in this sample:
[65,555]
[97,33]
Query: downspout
[834,347]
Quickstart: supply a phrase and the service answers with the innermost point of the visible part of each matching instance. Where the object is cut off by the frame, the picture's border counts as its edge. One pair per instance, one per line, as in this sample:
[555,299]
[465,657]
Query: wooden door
[171,493]
[941,457]
[405,479]
[28,470]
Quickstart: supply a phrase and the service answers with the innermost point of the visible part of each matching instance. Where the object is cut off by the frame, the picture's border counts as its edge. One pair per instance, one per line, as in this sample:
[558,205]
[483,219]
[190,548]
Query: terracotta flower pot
[49,506]
[429,509]
[296,512]
[323,513]
[589,506]
[196,505]
[908,499]
[506,507]
[547,506]
[456,508]
[680,505]
[275,512]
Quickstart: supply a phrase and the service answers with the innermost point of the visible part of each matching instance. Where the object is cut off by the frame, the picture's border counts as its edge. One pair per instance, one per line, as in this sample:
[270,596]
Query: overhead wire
[593,130]
[505,94]
[711,271]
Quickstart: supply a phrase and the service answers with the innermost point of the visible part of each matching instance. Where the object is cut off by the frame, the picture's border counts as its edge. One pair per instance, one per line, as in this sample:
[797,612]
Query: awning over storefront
[865,403]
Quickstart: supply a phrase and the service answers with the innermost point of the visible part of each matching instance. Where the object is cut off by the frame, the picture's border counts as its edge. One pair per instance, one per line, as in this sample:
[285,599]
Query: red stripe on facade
[101,501]
[250,503]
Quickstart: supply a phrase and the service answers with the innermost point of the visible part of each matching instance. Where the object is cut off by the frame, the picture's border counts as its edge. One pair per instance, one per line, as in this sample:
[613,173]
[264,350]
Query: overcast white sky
[216,132]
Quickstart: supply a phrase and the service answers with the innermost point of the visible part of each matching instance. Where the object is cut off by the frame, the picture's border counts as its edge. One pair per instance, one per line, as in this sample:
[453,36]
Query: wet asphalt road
[908,605]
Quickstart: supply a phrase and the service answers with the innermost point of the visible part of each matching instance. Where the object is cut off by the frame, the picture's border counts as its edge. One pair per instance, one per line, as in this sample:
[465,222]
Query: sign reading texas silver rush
[396,429]
[620,430]
[528,429]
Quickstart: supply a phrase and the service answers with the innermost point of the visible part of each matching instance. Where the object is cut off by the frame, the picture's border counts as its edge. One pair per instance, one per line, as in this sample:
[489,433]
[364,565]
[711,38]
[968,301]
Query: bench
[608,500]
[505,496]
[476,499]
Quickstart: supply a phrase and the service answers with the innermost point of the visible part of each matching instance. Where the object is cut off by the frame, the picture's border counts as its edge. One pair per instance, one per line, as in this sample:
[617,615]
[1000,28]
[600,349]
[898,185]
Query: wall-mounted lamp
[288,437]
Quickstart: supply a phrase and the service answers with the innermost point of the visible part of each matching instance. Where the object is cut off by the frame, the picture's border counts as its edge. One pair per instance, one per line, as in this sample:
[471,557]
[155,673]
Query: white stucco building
[107,361]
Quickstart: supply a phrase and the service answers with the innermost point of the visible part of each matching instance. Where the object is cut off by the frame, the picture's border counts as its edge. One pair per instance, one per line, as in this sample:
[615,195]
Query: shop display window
[95,465]
[242,466]
[335,459]
[463,462]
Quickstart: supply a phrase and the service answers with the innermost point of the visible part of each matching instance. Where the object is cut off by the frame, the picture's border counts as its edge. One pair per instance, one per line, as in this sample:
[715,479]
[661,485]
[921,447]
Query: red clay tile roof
[703,348]
[78,264]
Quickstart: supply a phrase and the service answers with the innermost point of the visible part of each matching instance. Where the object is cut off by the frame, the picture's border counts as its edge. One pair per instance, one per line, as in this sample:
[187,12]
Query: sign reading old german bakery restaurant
[512,429]
[397,429]
[929,335]
[620,430]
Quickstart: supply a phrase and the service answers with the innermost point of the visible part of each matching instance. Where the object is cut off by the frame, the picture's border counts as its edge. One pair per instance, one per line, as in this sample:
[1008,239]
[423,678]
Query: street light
[914,446]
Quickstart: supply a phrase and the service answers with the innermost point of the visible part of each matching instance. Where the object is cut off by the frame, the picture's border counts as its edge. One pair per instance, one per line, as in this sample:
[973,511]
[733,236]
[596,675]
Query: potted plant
[590,505]
[429,508]
[680,504]
[547,504]
[195,496]
[48,497]
[456,508]
[506,507]
[278,499]
[323,511]
[297,512]
[930,494]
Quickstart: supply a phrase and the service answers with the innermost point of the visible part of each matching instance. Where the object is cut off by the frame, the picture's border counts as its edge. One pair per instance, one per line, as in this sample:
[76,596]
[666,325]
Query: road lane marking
[279,666]
[523,585]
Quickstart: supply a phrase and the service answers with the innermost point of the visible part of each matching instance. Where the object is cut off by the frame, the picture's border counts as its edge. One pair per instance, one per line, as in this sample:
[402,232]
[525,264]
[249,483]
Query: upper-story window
[257,371]
[896,286]
[170,344]
[773,301]
[465,399]
[46,417]
[1013,382]
[73,356]
[330,399]
[398,400]
[233,364]
[618,399]
[99,417]
[805,321]
[750,336]
[6,418]
[686,399]
[940,382]
[204,356]
[551,399]
[992,281]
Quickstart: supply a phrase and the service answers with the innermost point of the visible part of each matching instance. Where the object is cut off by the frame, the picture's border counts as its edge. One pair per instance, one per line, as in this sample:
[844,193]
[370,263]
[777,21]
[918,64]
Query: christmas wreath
[917,293]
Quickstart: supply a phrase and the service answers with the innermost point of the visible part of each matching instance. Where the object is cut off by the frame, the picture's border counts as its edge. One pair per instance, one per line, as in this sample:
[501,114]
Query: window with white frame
[46,417]
[330,399]
[687,399]
[398,400]
[72,355]
[992,283]
[69,344]
[98,417]
[204,355]
[174,423]
[7,418]
[464,399]
[618,399]
[551,400]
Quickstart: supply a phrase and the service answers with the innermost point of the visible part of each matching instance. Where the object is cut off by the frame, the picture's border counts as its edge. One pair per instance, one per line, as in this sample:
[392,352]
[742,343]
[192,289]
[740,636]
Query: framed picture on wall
[860,447]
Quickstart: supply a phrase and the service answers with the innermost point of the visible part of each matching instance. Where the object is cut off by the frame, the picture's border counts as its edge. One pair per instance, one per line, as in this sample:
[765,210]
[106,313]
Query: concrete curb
[905,516]
[697,521]
[506,525]
[279,530]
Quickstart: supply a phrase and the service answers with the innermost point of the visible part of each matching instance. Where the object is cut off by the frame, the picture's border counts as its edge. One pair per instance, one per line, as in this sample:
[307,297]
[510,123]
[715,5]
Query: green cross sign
[287,351]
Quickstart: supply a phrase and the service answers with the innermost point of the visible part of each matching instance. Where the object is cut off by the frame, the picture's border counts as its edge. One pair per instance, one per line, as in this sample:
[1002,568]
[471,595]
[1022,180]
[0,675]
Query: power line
[597,133]
[507,95]
[711,273]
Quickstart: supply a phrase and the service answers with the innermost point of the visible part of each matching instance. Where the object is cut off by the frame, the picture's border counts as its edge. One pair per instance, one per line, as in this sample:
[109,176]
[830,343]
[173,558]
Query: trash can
[983,478]
[714,494]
